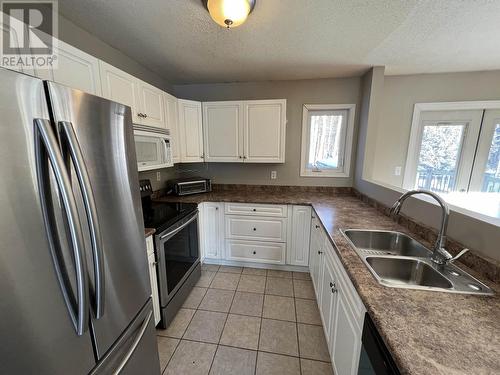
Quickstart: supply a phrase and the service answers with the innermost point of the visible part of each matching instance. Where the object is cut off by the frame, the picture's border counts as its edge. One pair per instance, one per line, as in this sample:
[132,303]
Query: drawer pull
[254,252]
[254,210]
[254,229]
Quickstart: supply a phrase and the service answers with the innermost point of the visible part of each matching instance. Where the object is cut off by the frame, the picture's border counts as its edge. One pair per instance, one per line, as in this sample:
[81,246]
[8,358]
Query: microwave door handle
[177,230]
[166,150]
[46,146]
[69,136]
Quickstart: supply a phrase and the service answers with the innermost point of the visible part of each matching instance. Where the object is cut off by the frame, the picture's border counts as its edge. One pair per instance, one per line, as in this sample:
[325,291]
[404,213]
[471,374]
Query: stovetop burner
[161,215]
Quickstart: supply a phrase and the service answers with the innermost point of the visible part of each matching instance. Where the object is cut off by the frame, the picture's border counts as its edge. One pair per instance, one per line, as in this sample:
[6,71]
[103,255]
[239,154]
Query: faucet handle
[458,255]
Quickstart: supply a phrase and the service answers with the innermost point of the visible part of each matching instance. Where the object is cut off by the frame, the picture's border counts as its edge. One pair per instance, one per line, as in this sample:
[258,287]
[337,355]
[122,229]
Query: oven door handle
[177,230]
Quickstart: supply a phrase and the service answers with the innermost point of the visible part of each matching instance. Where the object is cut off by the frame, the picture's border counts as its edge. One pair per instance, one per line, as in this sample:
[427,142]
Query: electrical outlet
[397,171]
[158,176]
[274,175]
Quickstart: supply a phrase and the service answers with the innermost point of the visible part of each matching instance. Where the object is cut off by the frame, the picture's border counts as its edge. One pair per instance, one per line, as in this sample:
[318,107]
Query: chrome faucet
[439,254]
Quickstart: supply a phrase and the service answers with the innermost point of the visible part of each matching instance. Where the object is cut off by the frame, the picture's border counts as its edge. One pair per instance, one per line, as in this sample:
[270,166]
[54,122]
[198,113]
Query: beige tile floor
[246,321]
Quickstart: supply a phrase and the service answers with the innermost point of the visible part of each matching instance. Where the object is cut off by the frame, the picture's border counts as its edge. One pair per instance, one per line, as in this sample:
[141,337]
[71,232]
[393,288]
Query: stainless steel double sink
[397,260]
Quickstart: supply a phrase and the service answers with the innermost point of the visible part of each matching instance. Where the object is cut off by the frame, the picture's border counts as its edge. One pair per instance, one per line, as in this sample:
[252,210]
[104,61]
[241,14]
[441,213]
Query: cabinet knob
[145,115]
[241,157]
[202,156]
[254,210]
[254,229]
[244,157]
[216,208]
[317,226]
[254,252]
[331,284]
[334,289]
[320,252]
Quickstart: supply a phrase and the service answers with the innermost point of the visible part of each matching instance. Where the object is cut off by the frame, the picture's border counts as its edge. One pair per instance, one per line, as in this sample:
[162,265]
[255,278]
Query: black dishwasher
[375,358]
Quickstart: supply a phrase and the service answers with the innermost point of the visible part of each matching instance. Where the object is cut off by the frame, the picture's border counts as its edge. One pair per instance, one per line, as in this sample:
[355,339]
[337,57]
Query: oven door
[178,254]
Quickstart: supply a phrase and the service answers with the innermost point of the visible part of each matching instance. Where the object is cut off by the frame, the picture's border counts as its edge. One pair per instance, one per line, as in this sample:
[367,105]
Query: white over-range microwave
[152,148]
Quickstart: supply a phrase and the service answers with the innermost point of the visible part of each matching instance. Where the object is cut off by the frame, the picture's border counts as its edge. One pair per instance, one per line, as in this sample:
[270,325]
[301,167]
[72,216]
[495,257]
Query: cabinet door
[328,297]
[152,105]
[298,253]
[77,69]
[120,87]
[223,131]
[264,131]
[154,287]
[345,338]
[213,230]
[173,125]
[315,253]
[191,132]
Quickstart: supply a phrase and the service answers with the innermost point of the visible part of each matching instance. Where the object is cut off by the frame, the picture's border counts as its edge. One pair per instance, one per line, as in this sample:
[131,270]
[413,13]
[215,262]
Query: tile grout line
[296,327]
[260,328]
[225,322]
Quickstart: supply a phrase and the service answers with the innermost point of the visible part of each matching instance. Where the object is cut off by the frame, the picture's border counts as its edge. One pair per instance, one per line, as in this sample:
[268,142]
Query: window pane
[439,156]
[491,181]
[325,140]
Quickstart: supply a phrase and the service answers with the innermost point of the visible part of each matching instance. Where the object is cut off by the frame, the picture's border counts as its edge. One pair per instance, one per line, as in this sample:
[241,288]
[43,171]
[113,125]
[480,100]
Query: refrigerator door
[96,136]
[136,351]
[44,304]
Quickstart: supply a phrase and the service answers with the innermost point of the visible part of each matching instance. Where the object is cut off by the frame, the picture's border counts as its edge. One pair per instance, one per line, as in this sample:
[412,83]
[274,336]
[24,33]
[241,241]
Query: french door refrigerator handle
[44,137]
[66,128]
[134,345]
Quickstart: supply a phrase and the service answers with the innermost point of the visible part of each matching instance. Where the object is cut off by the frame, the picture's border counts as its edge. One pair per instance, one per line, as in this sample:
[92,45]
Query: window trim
[349,134]
[416,129]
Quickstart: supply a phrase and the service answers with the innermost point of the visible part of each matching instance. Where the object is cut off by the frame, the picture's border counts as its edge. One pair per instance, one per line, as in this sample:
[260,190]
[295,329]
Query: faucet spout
[439,254]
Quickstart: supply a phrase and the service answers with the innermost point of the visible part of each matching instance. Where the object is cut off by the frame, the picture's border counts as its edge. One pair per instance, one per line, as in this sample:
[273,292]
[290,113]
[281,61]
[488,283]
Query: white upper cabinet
[191,133]
[151,104]
[77,69]
[172,118]
[223,131]
[265,126]
[120,87]
[145,100]
[251,131]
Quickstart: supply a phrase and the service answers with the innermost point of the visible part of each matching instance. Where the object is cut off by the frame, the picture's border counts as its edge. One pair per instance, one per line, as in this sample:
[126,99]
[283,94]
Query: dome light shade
[230,13]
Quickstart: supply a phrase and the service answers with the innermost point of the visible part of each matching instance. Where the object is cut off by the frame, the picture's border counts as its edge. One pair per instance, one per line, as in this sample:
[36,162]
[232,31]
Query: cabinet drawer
[274,210]
[253,251]
[256,228]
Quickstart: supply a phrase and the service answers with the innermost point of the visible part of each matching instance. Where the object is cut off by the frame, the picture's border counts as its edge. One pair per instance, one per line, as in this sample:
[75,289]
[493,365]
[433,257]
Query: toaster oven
[194,185]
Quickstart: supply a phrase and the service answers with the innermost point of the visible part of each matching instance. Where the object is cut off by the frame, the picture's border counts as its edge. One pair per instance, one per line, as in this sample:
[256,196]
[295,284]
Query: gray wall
[480,236]
[81,39]
[297,93]
[400,93]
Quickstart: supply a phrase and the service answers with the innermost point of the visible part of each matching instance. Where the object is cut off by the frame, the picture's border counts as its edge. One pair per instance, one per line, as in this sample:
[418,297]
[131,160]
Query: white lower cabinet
[299,236]
[212,230]
[153,279]
[341,309]
[254,251]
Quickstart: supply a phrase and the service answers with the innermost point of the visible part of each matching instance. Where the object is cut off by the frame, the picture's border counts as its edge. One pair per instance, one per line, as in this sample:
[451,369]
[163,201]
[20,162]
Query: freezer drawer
[136,351]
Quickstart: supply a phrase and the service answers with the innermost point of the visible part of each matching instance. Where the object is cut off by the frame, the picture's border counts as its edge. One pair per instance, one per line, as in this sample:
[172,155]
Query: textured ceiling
[297,39]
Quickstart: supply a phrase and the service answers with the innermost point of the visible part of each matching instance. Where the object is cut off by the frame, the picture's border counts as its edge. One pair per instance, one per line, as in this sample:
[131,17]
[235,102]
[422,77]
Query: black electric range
[177,249]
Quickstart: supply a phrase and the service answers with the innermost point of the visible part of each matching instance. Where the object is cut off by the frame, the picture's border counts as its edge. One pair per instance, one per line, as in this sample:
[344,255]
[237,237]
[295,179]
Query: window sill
[309,173]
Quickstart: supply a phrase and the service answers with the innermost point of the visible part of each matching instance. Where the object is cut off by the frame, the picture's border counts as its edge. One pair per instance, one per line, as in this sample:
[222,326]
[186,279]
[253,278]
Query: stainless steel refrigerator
[75,293]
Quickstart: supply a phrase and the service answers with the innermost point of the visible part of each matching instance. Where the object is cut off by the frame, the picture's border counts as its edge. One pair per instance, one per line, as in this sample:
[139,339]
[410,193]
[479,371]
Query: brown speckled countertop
[426,332]
[149,231]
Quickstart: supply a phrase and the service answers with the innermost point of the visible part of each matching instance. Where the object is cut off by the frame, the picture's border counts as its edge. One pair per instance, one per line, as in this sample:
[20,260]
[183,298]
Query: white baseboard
[283,267]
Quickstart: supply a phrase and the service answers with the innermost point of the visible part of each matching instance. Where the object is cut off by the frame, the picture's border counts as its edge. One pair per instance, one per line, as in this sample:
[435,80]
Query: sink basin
[385,243]
[397,260]
[411,272]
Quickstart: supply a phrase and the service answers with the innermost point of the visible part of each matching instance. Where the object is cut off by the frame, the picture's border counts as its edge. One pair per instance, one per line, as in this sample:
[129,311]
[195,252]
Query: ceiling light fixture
[229,13]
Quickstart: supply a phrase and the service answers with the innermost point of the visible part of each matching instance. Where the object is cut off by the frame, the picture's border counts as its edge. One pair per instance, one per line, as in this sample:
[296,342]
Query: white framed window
[327,135]
[454,147]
